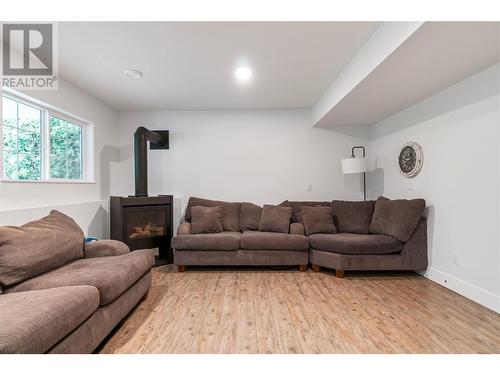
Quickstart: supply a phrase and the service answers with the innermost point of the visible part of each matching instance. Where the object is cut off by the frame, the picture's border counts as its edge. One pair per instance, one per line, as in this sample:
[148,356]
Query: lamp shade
[355,165]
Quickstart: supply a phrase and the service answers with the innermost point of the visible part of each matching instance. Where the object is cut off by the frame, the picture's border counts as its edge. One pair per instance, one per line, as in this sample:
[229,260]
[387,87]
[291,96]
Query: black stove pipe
[141,138]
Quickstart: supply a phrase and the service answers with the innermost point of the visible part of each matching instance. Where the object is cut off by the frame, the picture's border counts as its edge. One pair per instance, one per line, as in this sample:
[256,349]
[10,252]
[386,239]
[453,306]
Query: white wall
[25,195]
[458,130]
[263,156]
[92,217]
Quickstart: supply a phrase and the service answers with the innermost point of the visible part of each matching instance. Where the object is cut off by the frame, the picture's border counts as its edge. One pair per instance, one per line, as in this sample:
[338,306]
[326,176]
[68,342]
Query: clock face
[407,159]
[410,159]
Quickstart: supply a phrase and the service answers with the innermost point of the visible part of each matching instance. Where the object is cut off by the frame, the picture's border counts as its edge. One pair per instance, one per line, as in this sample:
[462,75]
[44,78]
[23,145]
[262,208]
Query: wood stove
[144,222]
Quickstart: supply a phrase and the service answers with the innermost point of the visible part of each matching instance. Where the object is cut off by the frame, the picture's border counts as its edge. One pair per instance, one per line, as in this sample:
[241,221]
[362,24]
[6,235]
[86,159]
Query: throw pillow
[38,247]
[250,216]
[231,212]
[275,219]
[353,217]
[397,218]
[318,220]
[206,220]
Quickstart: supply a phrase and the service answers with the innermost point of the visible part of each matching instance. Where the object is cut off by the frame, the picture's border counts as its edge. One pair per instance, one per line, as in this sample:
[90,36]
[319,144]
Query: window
[41,144]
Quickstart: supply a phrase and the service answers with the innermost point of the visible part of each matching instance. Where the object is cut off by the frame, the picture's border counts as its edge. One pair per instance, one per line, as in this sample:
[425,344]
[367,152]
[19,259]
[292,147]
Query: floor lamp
[356,165]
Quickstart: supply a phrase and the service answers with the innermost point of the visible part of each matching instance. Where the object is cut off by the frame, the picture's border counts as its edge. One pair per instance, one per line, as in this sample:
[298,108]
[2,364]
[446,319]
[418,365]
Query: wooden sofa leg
[315,267]
[339,273]
[302,267]
[145,296]
[181,268]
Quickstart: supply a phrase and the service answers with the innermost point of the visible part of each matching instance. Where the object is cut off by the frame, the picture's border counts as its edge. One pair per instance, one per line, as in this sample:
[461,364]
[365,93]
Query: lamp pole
[364,173]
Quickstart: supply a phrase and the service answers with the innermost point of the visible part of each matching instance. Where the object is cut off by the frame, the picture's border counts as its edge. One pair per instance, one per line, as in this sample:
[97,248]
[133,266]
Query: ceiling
[436,56]
[189,65]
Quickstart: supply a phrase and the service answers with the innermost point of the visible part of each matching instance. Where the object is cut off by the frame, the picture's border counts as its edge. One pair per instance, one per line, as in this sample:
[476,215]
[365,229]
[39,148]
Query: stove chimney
[158,140]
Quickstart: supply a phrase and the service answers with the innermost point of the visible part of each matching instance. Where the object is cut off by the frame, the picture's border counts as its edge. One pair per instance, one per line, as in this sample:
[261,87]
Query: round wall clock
[411,158]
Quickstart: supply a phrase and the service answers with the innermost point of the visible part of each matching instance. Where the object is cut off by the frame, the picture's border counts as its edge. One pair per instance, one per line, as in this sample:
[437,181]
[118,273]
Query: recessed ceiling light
[131,73]
[243,74]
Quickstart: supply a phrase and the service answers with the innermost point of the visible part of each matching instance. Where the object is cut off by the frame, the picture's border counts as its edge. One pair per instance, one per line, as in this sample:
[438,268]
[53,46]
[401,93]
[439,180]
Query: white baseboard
[479,295]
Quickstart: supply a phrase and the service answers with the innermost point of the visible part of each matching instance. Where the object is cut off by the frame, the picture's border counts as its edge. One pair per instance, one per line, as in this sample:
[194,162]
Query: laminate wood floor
[266,311]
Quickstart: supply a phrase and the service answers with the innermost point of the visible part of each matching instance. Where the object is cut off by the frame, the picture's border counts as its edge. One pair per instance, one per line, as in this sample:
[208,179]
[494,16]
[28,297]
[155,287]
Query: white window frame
[47,111]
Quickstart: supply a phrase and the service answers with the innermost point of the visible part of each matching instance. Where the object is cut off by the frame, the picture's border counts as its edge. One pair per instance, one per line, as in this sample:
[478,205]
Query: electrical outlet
[309,187]
[455,259]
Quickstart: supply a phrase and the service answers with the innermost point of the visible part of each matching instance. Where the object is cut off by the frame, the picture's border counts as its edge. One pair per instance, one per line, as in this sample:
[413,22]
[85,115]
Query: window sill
[47,181]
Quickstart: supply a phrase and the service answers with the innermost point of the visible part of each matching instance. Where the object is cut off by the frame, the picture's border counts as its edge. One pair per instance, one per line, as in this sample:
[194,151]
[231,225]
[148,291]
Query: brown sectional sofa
[59,295]
[360,244]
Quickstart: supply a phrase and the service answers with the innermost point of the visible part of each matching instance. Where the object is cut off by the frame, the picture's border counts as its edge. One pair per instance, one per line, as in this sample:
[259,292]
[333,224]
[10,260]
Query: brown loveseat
[391,237]
[59,295]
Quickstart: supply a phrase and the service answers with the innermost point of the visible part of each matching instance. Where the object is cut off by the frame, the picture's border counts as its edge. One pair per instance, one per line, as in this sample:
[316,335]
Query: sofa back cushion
[318,220]
[397,218]
[206,220]
[275,219]
[230,212]
[38,247]
[297,208]
[250,216]
[353,217]
[285,204]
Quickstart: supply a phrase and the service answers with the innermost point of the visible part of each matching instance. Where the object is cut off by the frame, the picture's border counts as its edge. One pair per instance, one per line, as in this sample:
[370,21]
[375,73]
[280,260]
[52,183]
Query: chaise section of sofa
[390,248]
[85,295]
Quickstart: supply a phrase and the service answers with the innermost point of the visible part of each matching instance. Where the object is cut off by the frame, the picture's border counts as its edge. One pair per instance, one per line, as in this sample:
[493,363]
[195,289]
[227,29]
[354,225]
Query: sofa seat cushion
[360,244]
[34,321]
[110,275]
[273,241]
[214,241]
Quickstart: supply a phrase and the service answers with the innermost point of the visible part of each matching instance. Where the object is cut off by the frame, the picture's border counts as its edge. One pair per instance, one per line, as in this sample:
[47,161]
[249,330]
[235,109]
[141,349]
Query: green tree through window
[22,147]
[65,149]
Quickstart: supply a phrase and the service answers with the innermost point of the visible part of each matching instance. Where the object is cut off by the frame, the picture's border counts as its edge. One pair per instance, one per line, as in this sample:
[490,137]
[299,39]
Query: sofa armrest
[297,228]
[104,248]
[184,229]
[415,249]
